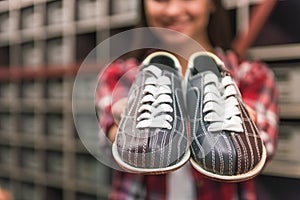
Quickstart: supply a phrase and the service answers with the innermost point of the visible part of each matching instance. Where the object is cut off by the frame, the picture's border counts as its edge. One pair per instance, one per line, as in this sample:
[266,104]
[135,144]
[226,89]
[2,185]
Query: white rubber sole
[233,178]
[132,169]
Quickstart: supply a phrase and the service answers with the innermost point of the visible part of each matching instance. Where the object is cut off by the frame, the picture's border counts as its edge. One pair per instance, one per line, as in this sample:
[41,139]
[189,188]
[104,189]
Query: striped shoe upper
[224,140]
[152,133]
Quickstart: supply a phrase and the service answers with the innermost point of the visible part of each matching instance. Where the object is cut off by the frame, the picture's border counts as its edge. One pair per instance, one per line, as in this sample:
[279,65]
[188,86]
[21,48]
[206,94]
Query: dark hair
[218,28]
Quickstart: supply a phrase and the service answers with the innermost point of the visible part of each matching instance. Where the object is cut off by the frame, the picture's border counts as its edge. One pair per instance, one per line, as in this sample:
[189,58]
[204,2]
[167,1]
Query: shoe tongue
[205,63]
[164,60]
[164,63]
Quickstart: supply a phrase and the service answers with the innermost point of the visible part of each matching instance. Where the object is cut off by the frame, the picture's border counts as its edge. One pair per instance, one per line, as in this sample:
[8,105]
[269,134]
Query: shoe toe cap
[162,149]
[215,154]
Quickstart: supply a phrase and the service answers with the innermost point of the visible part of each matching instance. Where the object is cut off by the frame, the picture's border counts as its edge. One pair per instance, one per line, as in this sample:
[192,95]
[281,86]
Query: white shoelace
[155,106]
[220,104]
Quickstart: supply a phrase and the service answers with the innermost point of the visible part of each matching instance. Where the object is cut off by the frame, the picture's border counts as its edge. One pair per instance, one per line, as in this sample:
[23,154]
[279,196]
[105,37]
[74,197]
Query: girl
[206,22]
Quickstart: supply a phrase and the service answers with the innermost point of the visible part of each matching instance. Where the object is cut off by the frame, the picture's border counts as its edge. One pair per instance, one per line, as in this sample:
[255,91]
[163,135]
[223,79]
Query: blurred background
[42,44]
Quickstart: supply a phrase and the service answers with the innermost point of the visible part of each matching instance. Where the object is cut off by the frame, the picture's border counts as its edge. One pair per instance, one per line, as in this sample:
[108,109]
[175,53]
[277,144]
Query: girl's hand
[252,113]
[117,110]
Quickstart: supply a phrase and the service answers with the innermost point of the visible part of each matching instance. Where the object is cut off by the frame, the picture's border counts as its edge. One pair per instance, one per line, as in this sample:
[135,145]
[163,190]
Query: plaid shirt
[258,89]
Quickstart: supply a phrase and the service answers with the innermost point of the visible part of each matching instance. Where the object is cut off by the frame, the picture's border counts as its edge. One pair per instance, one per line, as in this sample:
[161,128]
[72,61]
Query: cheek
[153,12]
[200,18]
[200,10]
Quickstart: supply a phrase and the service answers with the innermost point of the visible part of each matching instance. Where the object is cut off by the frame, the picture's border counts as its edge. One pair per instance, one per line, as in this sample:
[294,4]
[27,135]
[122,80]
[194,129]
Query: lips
[178,26]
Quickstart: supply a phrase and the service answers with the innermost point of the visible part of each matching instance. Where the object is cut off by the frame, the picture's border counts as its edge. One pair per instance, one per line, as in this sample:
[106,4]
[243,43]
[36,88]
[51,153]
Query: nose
[174,7]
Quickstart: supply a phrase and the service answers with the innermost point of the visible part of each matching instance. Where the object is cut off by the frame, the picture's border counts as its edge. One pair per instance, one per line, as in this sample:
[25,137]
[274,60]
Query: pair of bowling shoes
[170,120]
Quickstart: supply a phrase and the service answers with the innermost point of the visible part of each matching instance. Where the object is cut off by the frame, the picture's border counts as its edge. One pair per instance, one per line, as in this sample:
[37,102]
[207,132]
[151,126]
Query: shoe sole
[148,171]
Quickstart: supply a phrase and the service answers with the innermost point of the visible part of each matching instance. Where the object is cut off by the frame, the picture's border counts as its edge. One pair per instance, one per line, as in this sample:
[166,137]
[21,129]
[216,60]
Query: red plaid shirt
[257,86]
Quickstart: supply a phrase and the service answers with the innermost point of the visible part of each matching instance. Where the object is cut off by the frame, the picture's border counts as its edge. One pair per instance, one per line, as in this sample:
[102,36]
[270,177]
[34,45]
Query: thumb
[118,108]
[252,113]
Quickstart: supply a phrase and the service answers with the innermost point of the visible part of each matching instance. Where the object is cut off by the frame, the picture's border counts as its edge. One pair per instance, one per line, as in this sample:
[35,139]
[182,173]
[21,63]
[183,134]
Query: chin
[172,37]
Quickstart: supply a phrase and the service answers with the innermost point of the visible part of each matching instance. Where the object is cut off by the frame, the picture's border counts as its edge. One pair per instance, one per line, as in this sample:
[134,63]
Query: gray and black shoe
[225,143]
[152,134]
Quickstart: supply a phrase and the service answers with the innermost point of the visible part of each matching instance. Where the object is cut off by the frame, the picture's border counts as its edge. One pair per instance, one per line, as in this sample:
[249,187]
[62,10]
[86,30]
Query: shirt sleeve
[113,84]
[258,88]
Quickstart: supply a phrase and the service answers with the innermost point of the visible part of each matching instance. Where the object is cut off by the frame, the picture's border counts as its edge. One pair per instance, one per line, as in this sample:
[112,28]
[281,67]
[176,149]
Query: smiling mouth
[176,27]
